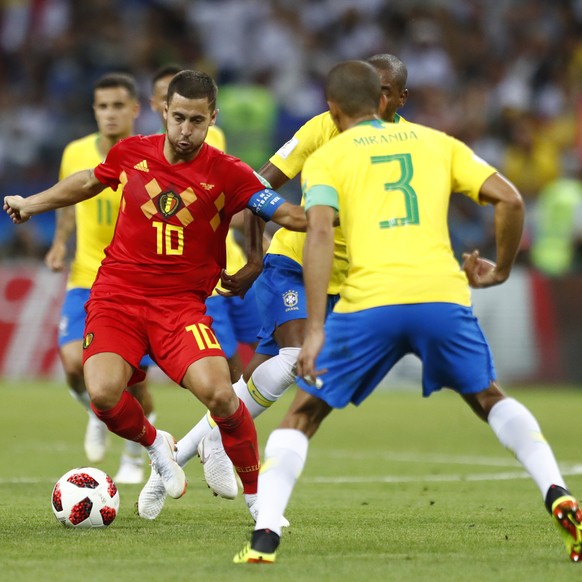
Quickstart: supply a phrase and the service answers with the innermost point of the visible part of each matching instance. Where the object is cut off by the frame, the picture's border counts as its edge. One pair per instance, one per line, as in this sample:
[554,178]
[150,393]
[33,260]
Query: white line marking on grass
[504,476]
[507,461]
[27,480]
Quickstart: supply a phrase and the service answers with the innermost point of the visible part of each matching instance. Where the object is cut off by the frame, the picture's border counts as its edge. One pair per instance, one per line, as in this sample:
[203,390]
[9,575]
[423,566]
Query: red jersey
[170,233]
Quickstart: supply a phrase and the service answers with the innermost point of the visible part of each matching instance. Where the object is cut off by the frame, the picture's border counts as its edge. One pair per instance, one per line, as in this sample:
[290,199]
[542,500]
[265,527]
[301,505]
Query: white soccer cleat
[251,501]
[218,469]
[130,471]
[162,452]
[152,497]
[95,439]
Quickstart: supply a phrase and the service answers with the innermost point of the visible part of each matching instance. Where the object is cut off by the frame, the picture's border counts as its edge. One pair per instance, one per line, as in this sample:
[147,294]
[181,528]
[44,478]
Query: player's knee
[102,397]
[104,390]
[289,361]
[273,377]
[223,402]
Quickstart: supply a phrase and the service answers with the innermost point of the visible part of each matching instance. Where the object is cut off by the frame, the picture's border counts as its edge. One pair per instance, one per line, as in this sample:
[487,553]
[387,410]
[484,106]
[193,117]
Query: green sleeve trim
[321,195]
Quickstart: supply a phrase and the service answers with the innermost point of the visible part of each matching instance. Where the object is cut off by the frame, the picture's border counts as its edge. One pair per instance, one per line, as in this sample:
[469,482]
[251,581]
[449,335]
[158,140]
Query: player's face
[395,97]
[187,123]
[158,99]
[115,112]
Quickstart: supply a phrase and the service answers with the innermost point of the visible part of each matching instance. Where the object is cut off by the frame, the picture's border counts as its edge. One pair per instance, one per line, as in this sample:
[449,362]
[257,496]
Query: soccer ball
[85,497]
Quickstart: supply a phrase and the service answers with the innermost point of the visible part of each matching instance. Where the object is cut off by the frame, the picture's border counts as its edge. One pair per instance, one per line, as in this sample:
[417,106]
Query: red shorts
[175,332]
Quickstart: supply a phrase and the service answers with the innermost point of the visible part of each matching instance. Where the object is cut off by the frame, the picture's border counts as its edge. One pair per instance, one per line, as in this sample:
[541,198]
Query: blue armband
[264,203]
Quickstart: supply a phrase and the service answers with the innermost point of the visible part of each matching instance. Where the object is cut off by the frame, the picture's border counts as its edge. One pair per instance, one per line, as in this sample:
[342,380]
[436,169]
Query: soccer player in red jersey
[165,258]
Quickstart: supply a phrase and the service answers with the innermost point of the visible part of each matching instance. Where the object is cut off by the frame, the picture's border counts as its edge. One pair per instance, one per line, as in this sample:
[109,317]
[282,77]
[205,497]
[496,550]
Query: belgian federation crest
[87,340]
[169,203]
[290,298]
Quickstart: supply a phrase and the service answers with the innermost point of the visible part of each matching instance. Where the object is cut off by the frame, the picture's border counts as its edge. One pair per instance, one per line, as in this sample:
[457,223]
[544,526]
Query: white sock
[269,381]
[519,431]
[285,455]
[187,446]
[266,385]
[133,449]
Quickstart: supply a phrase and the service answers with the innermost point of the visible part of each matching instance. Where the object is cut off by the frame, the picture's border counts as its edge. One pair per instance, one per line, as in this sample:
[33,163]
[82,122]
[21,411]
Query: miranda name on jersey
[375,139]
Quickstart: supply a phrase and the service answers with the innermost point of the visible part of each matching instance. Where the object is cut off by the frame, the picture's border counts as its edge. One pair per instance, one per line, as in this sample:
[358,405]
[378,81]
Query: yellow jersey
[95,218]
[215,138]
[290,159]
[391,185]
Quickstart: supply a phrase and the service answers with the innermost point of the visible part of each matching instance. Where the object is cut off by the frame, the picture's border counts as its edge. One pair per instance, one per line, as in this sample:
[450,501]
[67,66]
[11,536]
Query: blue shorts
[234,320]
[280,293]
[72,322]
[361,348]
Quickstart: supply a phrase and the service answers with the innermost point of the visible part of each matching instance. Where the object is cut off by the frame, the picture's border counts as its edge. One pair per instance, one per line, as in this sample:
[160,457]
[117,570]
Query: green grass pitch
[401,488]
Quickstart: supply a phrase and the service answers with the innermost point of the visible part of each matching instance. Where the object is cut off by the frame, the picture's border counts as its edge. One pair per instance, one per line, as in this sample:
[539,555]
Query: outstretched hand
[14,207]
[481,272]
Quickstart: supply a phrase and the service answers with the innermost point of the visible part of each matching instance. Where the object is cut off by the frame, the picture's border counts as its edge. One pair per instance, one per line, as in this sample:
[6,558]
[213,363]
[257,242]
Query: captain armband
[264,203]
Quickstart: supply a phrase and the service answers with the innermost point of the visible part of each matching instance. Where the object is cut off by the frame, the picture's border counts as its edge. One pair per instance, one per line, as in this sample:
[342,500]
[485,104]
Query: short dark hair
[388,62]
[166,71]
[355,87]
[194,85]
[115,80]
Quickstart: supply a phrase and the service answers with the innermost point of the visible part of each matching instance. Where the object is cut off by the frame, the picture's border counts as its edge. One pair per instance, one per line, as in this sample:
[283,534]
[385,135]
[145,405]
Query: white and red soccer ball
[85,497]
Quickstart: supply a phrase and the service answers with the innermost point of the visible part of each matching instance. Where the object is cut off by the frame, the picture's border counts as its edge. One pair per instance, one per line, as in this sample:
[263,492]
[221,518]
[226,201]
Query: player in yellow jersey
[116,107]
[404,293]
[281,296]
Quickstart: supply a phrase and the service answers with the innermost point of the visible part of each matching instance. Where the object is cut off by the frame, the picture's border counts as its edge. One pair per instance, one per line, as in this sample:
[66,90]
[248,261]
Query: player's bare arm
[317,266]
[268,205]
[55,257]
[273,175]
[238,221]
[254,236]
[75,188]
[290,216]
[240,282]
[509,218]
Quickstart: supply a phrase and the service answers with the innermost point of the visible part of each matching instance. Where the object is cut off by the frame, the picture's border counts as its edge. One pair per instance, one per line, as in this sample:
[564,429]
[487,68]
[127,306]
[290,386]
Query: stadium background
[505,76]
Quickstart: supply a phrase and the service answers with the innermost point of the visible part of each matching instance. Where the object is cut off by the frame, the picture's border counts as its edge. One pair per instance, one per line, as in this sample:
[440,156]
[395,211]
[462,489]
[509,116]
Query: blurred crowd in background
[503,76]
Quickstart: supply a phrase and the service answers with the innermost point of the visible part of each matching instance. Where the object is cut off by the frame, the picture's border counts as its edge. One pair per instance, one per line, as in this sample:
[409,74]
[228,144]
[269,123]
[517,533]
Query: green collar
[370,122]
[378,122]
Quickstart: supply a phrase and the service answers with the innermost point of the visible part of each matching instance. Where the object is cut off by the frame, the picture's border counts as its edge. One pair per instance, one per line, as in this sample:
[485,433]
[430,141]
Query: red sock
[127,420]
[239,438]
